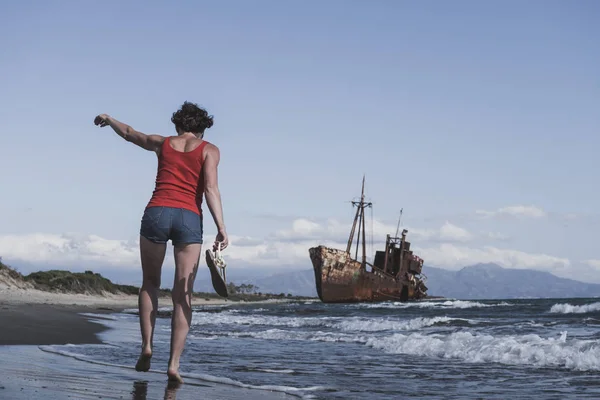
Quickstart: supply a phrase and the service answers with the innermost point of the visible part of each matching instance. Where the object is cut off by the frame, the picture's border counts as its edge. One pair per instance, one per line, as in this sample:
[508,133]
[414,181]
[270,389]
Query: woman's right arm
[212,194]
[147,142]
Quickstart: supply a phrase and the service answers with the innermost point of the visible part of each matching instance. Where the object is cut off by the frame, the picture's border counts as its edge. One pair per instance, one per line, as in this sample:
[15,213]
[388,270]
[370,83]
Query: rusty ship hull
[394,274]
[340,279]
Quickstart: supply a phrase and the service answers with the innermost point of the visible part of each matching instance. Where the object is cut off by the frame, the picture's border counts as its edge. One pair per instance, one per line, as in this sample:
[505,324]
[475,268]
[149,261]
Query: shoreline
[49,324]
[36,317]
[31,319]
[29,372]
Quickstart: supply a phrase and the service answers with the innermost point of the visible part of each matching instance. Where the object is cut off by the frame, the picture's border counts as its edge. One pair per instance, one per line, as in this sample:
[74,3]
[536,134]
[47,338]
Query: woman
[187,170]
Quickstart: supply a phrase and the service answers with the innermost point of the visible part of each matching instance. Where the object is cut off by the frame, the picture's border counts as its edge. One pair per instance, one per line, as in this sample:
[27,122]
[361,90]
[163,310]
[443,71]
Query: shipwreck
[395,274]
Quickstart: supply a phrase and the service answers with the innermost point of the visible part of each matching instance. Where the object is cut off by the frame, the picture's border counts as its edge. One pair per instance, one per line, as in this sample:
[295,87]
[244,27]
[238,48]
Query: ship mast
[359,219]
[399,220]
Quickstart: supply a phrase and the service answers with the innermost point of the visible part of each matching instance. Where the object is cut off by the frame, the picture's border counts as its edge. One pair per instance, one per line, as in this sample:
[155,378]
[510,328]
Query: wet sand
[30,319]
[41,324]
[29,316]
[27,372]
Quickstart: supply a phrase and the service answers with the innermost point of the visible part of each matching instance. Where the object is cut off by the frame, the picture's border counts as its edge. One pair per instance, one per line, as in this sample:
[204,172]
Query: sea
[433,349]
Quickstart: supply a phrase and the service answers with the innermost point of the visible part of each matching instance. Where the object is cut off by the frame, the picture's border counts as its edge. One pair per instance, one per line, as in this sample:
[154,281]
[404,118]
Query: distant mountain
[262,277]
[480,281]
[491,281]
[297,282]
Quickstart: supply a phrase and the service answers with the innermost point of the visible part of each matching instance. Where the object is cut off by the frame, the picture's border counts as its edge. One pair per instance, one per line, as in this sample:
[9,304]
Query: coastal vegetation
[12,273]
[86,282]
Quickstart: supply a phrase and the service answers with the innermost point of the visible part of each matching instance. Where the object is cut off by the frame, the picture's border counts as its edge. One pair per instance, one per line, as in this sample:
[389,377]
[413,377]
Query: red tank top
[179,181]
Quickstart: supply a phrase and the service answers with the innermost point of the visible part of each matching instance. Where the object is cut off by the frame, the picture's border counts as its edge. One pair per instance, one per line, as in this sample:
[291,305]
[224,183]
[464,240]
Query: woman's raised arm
[147,142]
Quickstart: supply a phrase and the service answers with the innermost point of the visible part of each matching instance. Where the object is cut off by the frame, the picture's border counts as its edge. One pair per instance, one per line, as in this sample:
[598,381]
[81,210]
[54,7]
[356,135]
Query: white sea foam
[534,324]
[376,325]
[203,337]
[461,304]
[170,308]
[276,371]
[111,317]
[591,320]
[348,324]
[480,348]
[566,308]
[531,349]
[281,334]
[203,318]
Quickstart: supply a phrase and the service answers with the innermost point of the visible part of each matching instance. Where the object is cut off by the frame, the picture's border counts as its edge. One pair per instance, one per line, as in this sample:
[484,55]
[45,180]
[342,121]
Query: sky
[479,119]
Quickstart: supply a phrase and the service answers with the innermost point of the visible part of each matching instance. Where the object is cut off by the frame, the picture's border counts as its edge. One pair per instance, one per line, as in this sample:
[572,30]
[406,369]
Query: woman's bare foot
[143,363]
[174,376]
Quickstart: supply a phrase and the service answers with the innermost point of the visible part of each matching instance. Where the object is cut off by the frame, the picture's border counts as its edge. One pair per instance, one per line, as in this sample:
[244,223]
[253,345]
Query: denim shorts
[181,226]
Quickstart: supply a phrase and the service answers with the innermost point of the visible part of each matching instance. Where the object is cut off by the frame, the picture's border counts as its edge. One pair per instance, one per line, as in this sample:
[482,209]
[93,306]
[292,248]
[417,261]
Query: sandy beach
[32,318]
[14,294]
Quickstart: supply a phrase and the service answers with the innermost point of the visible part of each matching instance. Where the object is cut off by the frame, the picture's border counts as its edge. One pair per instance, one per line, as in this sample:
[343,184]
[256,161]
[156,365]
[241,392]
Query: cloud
[593,263]
[69,249]
[452,232]
[331,229]
[304,229]
[79,250]
[514,211]
[452,256]
[448,246]
[496,236]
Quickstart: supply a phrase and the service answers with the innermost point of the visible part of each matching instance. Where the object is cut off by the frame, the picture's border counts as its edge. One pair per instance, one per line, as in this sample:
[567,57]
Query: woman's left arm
[148,142]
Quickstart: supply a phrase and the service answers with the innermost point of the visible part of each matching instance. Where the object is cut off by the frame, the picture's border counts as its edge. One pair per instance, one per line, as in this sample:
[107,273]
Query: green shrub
[13,273]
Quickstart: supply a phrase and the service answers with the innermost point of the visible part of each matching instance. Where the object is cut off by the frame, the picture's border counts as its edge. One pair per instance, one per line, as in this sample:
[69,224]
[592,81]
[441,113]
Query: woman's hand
[101,120]
[222,240]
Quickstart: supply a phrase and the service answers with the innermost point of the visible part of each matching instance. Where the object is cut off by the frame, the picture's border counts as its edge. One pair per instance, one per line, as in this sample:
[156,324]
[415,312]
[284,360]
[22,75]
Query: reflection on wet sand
[30,373]
[140,390]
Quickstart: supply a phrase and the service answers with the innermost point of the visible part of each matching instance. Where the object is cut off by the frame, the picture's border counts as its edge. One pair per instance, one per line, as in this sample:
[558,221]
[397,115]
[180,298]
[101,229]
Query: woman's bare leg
[187,257]
[152,255]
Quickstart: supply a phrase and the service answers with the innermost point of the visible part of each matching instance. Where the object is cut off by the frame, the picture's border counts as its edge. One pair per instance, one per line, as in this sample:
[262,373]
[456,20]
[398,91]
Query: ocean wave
[270,370]
[528,350]
[281,334]
[566,308]
[460,304]
[298,335]
[277,371]
[532,350]
[376,325]
[168,310]
[346,324]
[203,337]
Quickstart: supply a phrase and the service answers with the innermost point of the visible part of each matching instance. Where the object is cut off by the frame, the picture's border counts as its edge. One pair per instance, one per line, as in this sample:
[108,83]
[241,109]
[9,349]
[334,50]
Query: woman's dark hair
[191,118]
